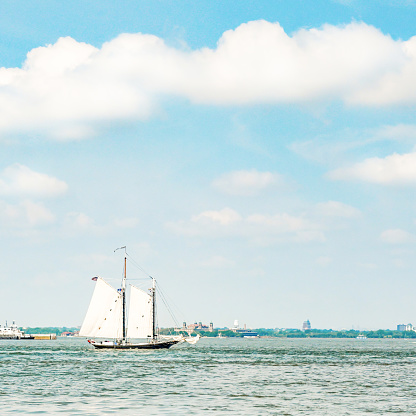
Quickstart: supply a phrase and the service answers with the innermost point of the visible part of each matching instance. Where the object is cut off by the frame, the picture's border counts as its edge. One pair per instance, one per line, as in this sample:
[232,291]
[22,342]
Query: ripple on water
[237,376]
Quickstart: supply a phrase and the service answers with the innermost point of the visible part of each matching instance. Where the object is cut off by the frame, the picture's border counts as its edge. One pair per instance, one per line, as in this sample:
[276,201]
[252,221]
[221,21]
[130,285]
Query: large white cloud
[68,89]
[392,87]
[19,180]
[393,169]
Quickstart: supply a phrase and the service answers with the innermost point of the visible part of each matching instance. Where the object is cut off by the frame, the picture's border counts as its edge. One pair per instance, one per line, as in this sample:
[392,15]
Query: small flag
[95,278]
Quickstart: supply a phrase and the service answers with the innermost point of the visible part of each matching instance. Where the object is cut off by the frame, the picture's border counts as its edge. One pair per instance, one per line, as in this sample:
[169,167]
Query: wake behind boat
[106,318]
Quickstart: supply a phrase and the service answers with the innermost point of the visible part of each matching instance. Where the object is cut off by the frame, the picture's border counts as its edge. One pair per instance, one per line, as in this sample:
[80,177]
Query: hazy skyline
[257,159]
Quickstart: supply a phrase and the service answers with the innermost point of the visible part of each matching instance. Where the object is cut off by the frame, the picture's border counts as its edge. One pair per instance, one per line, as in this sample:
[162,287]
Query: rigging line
[162,296]
[137,265]
[171,311]
[160,290]
[172,302]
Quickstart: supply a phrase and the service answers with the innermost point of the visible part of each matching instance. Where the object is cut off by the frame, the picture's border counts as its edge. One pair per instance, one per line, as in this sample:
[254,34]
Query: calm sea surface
[216,376]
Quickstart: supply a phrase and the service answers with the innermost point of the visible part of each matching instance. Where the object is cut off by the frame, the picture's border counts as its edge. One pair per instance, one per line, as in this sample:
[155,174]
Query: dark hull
[144,346]
[16,338]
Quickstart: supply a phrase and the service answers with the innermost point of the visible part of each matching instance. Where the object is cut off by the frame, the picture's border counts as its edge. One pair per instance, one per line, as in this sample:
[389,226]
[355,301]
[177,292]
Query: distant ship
[250,334]
[361,337]
[13,332]
[106,318]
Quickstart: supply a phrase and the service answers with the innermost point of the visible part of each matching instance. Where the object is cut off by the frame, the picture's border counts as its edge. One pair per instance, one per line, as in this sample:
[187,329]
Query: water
[217,376]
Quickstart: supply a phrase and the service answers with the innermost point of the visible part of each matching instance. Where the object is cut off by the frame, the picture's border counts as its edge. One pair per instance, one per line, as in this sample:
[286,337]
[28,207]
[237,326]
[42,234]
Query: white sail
[105,313]
[140,324]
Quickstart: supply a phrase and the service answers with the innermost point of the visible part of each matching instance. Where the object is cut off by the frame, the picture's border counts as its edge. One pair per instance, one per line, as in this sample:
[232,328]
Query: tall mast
[154,335]
[123,287]
[123,290]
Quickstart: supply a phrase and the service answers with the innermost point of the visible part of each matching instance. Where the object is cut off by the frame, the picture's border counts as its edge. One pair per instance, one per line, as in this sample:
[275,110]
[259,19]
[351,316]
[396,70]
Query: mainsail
[104,315]
[140,323]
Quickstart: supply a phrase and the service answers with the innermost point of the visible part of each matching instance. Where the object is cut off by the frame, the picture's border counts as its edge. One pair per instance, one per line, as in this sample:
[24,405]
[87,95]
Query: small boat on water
[361,336]
[13,332]
[107,318]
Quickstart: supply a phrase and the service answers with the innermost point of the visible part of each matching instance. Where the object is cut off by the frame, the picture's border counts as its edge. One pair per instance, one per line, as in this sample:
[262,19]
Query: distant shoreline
[262,333]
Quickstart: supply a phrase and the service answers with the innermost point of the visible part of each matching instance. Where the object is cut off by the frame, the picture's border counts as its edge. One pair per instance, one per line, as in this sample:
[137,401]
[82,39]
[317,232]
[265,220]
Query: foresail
[140,324]
[104,315]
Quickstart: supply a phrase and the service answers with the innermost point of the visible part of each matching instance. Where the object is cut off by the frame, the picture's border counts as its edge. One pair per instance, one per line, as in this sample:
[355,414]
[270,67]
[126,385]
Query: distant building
[306,325]
[211,327]
[403,327]
[197,326]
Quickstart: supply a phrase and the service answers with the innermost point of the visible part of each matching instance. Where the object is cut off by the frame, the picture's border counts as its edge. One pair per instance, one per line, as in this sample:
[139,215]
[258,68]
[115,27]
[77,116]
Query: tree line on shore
[262,332]
[297,333]
[49,330]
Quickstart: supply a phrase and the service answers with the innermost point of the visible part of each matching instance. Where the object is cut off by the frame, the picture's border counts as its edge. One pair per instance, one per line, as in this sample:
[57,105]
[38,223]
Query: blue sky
[258,159]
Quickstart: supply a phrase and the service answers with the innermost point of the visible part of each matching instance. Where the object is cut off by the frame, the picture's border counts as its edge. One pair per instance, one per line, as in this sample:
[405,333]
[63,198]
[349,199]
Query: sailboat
[106,318]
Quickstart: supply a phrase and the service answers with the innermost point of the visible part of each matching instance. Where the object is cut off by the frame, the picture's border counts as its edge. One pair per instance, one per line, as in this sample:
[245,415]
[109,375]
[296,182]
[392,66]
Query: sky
[257,158]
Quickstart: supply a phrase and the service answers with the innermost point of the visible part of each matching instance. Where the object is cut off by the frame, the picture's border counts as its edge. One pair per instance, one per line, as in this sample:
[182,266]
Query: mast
[123,290]
[154,335]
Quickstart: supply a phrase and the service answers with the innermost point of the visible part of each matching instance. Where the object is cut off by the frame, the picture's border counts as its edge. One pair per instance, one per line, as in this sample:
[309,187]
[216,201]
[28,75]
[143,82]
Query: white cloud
[80,220]
[393,169]
[70,89]
[25,214]
[396,132]
[81,223]
[337,209]
[324,149]
[262,229]
[392,87]
[397,236]
[245,182]
[21,181]
[225,216]
[65,89]
[280,223]
[37,214]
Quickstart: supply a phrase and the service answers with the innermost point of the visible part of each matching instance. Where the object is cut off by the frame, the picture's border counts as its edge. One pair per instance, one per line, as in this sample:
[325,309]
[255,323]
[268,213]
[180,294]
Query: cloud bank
[69,90]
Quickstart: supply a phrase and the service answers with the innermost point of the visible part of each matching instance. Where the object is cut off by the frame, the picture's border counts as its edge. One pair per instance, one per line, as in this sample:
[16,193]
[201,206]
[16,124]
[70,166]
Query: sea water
[216,376]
